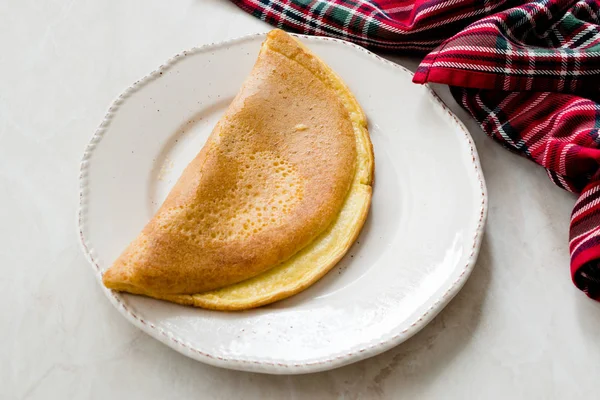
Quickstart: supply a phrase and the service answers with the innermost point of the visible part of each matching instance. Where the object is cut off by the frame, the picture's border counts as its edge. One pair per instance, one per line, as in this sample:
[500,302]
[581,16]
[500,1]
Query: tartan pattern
[527,71]
[561,132]
[539,46]
[410,25]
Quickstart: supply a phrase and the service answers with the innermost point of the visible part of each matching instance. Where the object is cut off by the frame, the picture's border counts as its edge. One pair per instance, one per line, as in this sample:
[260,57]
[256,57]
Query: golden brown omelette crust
[272,176]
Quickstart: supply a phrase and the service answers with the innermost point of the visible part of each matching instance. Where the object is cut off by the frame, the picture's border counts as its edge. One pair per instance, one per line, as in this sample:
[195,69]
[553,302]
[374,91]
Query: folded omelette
[274,199]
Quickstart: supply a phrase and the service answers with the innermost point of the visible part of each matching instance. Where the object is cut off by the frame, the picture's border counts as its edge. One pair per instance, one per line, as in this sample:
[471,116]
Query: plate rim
[272,366]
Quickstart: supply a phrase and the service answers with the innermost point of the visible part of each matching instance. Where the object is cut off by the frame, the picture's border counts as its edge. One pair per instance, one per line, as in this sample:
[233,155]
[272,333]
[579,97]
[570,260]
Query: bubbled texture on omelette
[272,176]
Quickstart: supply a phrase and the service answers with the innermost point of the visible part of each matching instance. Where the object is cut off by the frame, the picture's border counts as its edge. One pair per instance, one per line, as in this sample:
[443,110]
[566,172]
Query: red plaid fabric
[528,72]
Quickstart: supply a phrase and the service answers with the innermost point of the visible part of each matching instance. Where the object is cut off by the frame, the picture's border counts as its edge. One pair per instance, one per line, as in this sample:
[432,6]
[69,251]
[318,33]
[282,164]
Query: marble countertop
[518,329]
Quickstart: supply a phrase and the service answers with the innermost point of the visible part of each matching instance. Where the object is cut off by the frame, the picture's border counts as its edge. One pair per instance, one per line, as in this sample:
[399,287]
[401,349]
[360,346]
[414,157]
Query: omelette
[273,200]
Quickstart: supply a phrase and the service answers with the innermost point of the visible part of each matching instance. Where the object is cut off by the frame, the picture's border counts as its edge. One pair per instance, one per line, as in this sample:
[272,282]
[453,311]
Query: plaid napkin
[528,72]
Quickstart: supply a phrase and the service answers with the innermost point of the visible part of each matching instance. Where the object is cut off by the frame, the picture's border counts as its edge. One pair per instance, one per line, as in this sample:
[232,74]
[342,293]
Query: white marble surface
[518,328]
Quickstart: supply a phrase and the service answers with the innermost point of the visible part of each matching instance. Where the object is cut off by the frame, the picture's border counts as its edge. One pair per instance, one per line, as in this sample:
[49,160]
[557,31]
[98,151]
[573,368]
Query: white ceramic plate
[414,254]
